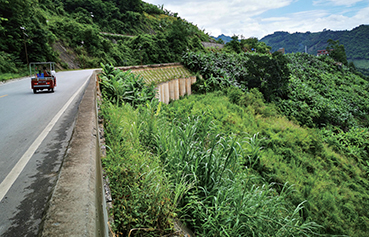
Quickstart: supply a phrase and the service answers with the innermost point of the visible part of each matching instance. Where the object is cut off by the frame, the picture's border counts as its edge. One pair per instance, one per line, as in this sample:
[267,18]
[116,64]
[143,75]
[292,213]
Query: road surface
[34,133]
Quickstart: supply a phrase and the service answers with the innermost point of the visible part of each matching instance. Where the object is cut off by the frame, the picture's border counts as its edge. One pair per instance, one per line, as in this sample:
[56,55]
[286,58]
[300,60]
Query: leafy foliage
[337,51]
[138,32]
[212,190]
[333,184]
[322,93]
[125,87]
[247,70]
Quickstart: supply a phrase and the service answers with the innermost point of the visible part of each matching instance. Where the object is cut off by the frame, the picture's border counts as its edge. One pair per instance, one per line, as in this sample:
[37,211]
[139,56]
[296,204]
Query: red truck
[43,76]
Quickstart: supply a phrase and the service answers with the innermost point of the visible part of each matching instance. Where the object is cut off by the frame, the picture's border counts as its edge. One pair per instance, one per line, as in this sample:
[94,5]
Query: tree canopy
[337,51]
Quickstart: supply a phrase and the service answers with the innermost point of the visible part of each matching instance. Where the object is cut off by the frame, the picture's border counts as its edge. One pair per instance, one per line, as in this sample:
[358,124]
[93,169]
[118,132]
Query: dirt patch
[67,56]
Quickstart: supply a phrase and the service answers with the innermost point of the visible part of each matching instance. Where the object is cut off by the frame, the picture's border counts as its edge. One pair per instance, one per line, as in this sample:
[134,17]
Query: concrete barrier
[77,206]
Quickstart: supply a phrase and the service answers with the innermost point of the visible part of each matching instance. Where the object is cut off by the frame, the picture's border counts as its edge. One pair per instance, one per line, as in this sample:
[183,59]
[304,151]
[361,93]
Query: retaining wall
[170,90]
[174,89]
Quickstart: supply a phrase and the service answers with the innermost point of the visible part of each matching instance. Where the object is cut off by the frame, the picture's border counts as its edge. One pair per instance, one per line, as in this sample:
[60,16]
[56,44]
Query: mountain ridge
[355,43]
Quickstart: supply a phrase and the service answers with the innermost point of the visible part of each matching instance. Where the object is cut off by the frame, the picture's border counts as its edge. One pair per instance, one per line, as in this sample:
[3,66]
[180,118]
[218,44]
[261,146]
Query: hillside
[355,42]
[246,155]
[69,32]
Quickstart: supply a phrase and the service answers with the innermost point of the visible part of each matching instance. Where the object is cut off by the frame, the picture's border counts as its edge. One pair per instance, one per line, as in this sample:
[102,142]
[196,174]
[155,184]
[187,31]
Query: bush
[269,74]
[125,87]
[7,64]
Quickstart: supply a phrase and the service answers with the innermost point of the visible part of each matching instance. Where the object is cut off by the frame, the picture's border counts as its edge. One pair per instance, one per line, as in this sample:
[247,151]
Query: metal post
[24,40]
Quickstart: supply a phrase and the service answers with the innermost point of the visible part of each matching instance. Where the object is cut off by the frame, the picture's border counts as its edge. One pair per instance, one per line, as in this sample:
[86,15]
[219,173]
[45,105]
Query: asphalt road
[34,133]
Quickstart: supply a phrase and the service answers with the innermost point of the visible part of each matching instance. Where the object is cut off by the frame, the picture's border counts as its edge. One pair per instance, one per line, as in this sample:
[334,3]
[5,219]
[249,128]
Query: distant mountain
[225,38]
[355,41]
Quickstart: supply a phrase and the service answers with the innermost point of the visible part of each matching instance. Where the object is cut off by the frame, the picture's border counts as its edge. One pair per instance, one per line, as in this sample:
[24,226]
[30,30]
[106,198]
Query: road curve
[26,118]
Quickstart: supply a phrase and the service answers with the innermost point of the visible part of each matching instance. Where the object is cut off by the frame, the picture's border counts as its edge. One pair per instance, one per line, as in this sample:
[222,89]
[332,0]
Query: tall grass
[141,192]
[223,199]
[325,170]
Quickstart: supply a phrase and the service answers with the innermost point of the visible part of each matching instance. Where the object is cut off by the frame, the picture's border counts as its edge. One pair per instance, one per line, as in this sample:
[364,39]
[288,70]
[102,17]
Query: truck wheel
[34,91]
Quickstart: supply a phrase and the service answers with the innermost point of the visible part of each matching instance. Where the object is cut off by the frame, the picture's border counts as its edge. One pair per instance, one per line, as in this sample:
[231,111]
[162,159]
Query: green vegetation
[203,173]
[158,75]
[246,45]
[337,51]
[31,30]
[142,194]
[125,87]
[267,72]
[317,93]
[223,151]
[321,93]
[354,41]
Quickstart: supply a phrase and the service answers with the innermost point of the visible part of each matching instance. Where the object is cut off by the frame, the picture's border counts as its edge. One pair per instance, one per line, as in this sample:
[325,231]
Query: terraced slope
[163,74]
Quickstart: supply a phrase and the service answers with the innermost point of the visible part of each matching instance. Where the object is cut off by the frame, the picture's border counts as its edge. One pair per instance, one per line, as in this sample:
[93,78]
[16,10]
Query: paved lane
[23,118]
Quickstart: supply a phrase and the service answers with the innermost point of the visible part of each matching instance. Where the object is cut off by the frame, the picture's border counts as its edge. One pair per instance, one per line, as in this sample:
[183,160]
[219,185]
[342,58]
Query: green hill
[269,145]
[70,33]
[355,42]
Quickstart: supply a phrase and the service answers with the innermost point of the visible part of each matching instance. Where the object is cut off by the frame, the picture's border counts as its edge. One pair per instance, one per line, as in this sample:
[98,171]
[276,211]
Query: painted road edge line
[17,169]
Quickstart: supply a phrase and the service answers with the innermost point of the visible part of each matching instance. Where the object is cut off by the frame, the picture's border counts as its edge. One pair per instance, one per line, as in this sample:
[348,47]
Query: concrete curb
[77,206]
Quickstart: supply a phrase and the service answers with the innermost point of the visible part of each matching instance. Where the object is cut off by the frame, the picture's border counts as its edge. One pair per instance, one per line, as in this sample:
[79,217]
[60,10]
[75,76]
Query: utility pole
[24,41]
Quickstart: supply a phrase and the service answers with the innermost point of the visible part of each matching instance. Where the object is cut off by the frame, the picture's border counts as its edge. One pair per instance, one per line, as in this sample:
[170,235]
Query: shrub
[125,87]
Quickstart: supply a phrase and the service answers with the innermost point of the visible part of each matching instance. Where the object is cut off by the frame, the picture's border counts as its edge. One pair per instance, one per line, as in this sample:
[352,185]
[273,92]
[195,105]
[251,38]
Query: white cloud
[227,17]
[336,2]
[243,17]
[315,21]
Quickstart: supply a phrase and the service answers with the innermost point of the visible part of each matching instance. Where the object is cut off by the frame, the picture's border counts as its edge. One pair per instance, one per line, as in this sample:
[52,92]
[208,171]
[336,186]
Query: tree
[234,45]
[337,51]
[178,38]
[220,41]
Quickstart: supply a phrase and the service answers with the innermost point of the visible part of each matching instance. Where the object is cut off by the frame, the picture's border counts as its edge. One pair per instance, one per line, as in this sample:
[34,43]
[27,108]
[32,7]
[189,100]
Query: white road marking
[17,169]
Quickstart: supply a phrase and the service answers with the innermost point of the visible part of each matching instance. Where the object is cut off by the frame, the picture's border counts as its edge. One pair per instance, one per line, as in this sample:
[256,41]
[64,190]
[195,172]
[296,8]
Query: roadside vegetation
[244,156]
[189,166]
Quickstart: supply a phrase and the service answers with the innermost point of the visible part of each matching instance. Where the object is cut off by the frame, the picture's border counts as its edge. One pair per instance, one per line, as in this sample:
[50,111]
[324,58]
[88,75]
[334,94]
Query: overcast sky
[258,18]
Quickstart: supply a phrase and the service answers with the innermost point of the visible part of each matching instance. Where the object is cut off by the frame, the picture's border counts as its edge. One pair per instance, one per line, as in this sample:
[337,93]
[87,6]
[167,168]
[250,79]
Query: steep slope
[29,30]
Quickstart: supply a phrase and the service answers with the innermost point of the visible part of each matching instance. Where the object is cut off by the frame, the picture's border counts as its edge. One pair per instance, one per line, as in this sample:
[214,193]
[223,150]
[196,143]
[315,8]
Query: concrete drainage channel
[78,205]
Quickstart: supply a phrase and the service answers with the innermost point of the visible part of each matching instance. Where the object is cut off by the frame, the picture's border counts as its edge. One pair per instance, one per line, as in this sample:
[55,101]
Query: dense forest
[355,43]
[57,30]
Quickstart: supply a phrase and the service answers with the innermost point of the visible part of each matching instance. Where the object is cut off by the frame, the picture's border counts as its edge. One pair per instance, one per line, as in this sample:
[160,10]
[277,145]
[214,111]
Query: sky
[258,18]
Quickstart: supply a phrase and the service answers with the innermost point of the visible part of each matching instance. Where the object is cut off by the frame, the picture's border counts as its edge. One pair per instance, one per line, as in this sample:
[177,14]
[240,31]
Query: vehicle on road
[43,76]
